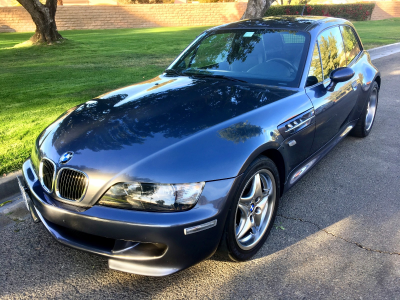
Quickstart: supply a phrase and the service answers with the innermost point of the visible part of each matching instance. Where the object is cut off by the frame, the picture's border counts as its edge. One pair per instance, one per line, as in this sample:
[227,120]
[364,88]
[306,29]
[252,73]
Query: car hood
[122,128]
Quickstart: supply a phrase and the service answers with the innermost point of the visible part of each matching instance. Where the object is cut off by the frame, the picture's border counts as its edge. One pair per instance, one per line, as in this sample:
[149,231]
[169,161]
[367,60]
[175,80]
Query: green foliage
[315,68]
[350,43]
[124,2]
[218,48]
[332,56]
[214,1]
[354,11]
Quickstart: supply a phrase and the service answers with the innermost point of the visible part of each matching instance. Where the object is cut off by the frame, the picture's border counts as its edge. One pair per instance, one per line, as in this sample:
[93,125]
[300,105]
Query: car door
[332,108]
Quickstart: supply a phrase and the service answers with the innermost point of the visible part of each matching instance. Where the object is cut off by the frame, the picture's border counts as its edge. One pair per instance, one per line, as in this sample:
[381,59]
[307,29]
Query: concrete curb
[14,212]
[384,51]
[17,203]
[385,46]
[9,185]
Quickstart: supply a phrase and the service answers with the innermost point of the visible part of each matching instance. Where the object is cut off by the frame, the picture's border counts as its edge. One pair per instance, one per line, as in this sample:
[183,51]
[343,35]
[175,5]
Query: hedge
[214,1]
[354,11]
[124,2]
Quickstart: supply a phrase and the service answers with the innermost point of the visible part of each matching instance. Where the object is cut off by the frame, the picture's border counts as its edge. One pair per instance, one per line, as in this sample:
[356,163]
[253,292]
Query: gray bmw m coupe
[159,175]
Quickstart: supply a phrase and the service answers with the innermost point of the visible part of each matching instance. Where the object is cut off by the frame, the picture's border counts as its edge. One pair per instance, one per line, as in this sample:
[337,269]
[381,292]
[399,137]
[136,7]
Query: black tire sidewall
[233,249]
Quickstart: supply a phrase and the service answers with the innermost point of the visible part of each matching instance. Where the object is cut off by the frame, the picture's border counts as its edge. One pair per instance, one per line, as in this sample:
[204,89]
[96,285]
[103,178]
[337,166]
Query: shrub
[124,2]
[214,1]
[354,11]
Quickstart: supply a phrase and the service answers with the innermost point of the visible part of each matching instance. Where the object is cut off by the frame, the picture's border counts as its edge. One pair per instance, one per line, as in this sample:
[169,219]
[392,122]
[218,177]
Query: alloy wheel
[255,209]
[371,110]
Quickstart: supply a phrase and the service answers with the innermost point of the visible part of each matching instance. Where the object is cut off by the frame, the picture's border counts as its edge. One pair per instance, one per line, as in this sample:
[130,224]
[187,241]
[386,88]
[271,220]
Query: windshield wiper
[172,72]
[216,76]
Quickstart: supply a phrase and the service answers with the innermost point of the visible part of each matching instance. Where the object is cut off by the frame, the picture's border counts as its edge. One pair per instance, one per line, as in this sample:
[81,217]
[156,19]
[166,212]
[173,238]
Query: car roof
[302,23]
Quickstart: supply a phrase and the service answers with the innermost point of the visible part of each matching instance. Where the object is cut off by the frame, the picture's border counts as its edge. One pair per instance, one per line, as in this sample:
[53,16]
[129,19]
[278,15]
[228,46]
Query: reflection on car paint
[240,132]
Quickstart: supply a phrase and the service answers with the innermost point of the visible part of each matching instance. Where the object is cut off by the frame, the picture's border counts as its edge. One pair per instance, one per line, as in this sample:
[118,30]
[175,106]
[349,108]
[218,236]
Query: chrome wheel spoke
[244,228]
[255,190]
[258,194]
[244,208]
[261,208]
[254,209]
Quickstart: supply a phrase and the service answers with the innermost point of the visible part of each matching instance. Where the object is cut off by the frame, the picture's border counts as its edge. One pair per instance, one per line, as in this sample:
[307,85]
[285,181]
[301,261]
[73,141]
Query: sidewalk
[384,51]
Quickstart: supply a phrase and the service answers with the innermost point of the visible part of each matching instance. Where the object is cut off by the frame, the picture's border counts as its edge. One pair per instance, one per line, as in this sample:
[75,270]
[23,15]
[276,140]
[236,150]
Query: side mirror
[311,80]
[339,75]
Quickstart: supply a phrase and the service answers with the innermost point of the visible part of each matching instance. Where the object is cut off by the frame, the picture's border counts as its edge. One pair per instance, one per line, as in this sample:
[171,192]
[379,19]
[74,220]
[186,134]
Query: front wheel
[253,210]
[367,118]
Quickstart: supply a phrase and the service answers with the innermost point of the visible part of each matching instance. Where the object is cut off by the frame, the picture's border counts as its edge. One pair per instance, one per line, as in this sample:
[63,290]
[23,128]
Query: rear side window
[332,51]
[350,43]
[315,68]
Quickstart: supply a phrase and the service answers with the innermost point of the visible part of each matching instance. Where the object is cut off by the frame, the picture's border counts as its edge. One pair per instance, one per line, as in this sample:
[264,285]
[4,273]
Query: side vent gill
[297,123]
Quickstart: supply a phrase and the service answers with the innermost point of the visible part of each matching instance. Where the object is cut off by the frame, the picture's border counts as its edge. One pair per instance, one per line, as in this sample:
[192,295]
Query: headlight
[152,196]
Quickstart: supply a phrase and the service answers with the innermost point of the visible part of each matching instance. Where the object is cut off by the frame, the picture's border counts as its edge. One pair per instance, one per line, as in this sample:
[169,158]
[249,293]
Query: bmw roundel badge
[66,157]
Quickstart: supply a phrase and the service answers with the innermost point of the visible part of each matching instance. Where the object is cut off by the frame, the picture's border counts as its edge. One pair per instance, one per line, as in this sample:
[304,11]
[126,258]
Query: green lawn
[378,33]
[38,83]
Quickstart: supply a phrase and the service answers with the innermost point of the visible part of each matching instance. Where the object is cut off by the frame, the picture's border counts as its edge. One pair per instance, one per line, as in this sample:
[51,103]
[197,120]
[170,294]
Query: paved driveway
[337,236]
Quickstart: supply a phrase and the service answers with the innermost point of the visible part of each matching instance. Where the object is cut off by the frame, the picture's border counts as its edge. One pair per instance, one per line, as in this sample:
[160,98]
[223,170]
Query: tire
[367,118]
[252,203]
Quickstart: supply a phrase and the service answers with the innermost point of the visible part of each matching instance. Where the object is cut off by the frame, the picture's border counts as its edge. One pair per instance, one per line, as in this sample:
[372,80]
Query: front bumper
[145,243]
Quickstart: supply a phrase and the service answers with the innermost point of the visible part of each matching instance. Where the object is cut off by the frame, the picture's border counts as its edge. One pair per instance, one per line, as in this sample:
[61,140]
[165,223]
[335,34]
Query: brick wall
[16,19]
[386,10]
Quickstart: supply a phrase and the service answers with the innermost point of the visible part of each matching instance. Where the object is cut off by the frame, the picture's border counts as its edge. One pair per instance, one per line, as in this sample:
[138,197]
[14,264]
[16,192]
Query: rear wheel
[253,211]
[367,118]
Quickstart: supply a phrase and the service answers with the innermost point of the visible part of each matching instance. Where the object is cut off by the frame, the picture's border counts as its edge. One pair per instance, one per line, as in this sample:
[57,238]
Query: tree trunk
[44,18]
[256,8]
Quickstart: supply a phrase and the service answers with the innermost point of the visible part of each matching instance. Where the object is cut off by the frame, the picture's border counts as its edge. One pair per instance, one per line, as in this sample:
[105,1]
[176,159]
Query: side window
[315,68]
[350,43]
[332,51]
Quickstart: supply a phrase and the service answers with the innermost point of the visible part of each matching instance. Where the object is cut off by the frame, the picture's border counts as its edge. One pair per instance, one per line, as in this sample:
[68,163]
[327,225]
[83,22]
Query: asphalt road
[337,236]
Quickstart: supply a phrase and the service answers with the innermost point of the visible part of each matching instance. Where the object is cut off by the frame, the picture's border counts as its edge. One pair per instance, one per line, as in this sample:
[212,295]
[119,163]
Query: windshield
[274,57]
